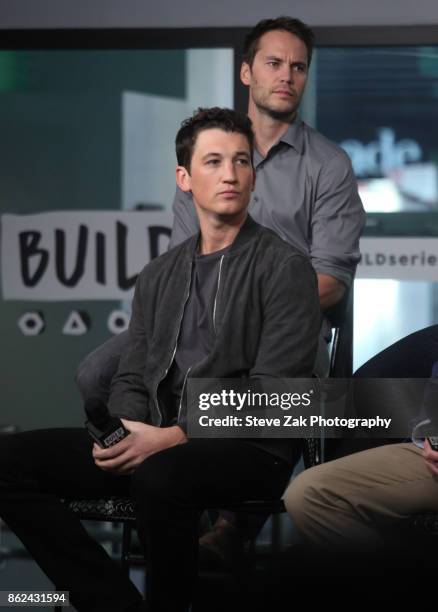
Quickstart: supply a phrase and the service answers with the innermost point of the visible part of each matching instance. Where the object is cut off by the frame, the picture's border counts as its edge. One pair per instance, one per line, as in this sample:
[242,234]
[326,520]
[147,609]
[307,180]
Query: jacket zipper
[182,394]
[217,292]
[174,349]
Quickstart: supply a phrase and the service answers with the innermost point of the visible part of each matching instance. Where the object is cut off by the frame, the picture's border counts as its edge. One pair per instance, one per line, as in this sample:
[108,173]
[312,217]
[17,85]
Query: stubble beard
[285,116]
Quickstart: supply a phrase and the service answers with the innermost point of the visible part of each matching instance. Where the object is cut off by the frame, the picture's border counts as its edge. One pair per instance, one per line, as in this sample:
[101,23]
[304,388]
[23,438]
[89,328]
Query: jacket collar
[246,232]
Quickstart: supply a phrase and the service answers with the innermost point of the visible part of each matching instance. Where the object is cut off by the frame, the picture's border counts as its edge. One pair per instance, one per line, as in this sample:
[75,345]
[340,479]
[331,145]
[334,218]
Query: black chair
[341,319]
[341,353]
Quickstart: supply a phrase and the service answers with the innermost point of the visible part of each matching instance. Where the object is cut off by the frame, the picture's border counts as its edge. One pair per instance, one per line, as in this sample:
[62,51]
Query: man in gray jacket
[233,301]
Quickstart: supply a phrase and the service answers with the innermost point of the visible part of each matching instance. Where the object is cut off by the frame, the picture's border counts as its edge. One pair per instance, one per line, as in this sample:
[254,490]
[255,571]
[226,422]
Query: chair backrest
[341,318]
[341,359]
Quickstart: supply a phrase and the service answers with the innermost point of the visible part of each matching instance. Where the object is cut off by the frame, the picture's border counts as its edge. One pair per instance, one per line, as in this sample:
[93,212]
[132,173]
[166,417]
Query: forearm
[154,439]
[330,290]
[337,222]
[171,436]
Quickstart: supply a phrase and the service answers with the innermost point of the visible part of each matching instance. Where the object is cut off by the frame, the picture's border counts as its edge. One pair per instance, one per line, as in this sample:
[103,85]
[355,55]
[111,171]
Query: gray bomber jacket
[266,318]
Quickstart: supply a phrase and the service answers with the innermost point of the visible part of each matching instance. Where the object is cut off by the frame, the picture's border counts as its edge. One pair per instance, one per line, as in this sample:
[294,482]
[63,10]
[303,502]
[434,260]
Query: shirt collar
[294,135]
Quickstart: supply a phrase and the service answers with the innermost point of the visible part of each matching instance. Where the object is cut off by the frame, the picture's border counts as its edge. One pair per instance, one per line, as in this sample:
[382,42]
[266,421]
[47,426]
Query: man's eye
[273,63]
[243,161]
[213,162]
[299,68]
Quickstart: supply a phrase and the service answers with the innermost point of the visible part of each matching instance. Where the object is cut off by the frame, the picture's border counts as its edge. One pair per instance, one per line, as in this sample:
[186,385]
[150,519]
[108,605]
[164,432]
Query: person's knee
[95,372]
[303,494]
[86,378]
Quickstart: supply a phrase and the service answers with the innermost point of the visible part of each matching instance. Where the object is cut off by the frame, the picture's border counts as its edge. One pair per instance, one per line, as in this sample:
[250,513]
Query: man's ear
[183,179]
[245,73]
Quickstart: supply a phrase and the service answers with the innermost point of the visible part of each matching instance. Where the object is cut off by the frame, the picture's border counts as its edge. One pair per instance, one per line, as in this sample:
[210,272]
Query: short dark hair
[287,24]
[205,119]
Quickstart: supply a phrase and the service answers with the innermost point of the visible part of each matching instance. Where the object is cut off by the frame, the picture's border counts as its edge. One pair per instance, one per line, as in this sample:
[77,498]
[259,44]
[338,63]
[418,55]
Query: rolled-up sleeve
[338,219]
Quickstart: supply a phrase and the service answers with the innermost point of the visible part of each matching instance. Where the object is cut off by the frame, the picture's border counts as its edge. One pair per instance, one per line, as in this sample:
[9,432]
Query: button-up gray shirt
[307,193]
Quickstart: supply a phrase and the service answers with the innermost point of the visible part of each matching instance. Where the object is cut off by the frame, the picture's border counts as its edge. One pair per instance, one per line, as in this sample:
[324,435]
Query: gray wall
[198,13]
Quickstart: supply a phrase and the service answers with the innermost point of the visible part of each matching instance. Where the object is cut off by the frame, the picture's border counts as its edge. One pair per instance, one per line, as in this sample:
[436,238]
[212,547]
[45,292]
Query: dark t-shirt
[197,333]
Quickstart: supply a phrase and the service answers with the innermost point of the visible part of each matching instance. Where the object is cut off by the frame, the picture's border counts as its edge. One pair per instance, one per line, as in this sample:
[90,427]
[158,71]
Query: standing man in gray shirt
[305,188]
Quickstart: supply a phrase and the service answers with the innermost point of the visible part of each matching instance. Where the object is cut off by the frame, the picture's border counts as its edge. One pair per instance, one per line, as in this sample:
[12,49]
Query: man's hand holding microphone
[122,445]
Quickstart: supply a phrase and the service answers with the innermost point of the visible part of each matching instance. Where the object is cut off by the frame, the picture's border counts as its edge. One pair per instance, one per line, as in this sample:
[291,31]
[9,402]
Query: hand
[431,458]
[144,440]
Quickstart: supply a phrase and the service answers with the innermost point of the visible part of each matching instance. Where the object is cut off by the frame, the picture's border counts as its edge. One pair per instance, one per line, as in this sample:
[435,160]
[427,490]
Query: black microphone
[104,428]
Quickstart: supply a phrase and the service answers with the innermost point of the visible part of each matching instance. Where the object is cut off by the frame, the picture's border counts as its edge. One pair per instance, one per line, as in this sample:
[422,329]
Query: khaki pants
[353,500]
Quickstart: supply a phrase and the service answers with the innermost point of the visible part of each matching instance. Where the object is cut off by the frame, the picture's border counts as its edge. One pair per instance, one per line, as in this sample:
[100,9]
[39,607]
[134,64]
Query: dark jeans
[170,489]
